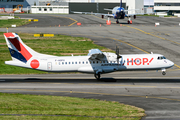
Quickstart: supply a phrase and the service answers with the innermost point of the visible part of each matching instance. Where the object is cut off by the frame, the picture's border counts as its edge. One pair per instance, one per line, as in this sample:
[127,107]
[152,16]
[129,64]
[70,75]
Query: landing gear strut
[163,72]
[97,76]
[117,22]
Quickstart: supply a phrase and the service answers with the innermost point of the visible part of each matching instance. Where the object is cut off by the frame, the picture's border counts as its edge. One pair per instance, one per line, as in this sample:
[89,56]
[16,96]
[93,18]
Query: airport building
[10,4]
[173,6]
[66,6]
[97,6]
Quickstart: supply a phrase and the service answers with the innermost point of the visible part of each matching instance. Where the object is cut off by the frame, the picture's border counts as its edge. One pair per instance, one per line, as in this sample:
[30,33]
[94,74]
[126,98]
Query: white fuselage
[106,65]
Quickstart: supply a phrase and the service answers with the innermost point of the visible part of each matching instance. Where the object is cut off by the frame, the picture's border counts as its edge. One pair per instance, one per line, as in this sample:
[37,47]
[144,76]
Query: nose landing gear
[163,71]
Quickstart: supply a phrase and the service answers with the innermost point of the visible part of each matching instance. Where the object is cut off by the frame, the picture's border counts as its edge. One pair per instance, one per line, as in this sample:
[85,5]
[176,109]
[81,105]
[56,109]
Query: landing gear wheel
[117,22]
[97,76]
[128,22]
[163,73]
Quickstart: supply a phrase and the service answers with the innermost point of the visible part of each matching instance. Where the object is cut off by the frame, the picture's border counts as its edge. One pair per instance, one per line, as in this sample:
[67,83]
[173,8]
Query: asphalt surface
[157,94]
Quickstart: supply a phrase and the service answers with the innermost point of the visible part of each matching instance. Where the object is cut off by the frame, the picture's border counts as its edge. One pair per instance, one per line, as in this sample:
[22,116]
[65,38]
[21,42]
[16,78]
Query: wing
[108,9]
[127,15]
[130,10]
[95,54]
[109,15]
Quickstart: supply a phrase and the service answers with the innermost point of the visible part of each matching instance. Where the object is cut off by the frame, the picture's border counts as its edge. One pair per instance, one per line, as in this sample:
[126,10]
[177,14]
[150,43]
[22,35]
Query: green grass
[9,22]
[60,45]
[57,105]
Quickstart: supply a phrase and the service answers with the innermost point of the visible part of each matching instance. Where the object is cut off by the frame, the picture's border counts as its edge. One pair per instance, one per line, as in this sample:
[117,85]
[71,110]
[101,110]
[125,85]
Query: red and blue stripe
[23,54]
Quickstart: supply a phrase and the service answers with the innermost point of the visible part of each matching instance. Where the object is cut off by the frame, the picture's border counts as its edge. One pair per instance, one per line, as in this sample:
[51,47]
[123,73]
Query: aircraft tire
[163,73]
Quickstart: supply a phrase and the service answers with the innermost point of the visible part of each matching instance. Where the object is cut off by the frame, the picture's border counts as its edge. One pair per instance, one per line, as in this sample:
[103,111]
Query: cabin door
[49,66]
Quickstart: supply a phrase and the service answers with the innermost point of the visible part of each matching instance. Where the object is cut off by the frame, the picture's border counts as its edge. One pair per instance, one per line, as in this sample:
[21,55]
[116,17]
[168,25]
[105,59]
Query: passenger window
[66,62]
[93,62]
[97,62]
[86,62]
[72,62]
[62,63]
[82,62]
[75,62]
[59,63]
[69,62]
[79,62]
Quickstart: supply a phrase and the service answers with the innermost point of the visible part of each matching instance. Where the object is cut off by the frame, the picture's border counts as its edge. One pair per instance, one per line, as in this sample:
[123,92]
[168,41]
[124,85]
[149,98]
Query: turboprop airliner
[96,62]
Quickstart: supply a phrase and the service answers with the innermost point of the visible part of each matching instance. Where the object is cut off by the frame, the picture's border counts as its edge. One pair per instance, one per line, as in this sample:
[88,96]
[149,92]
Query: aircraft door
[49,66]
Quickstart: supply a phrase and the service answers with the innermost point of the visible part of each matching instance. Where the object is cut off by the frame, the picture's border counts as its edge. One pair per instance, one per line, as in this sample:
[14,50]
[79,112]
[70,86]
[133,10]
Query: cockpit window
[161,57]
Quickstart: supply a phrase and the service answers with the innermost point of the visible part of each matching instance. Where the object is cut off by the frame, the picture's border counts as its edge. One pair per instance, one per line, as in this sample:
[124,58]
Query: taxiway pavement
[158,95]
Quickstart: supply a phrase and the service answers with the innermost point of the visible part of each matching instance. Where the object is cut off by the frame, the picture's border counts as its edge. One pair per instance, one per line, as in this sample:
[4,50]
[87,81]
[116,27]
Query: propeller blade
[117,53]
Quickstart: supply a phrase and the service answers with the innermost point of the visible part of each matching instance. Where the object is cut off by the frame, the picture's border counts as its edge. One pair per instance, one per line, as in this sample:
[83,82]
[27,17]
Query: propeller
[117,53]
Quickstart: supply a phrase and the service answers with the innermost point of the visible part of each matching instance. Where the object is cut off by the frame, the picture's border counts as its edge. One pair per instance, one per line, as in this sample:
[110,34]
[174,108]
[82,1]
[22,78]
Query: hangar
[66,6]
[173,6]
[99,5]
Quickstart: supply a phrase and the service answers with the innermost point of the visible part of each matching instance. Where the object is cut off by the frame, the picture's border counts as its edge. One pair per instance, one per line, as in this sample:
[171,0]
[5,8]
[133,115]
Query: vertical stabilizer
[18,50]
[120,3]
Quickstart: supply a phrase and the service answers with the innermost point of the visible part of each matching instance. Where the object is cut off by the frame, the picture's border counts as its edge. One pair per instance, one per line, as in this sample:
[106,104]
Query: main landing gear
[97,76]
[117,22]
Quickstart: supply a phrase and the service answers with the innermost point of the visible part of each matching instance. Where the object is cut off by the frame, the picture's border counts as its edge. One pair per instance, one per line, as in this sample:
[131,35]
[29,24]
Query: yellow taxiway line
[75,21]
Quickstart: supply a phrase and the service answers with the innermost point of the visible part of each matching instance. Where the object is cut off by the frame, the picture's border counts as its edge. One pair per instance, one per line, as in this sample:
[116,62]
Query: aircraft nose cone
[171,63]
